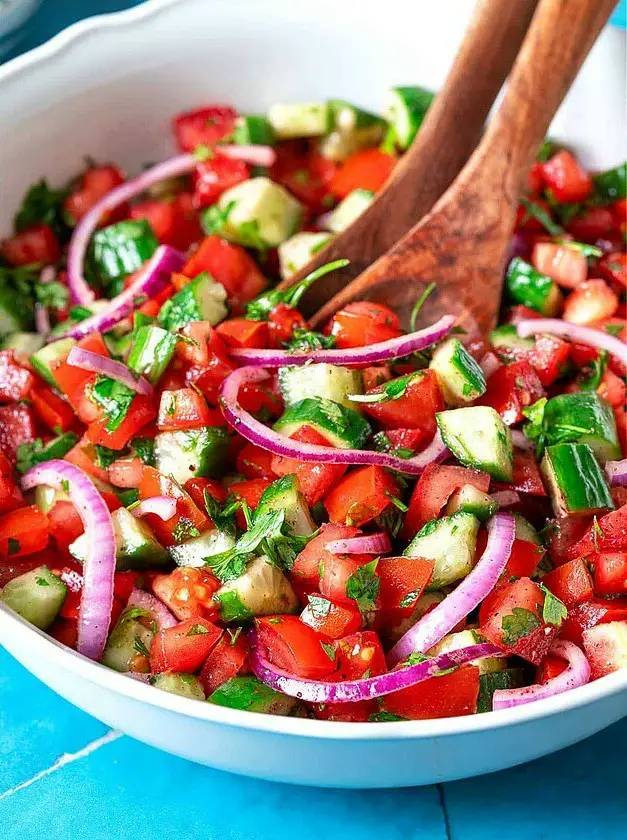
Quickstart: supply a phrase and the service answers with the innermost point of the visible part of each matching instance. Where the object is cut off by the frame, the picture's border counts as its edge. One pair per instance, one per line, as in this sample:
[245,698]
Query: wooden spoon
[446,138]
[462,244]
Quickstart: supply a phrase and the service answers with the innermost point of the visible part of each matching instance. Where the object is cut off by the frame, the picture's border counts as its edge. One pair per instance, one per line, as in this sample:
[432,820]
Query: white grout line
[66,758]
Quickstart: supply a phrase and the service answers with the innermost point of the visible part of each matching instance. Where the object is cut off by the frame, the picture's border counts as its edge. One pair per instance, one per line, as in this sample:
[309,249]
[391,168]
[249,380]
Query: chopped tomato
[240,332]
[591,301]
[434,488]
[367,170]
[188,592]
[183,647]
[402,580]
[230,265]
[174,221]
[551,667]
[332,620]
[548,357]
[189,519]
[361,496]
[282,321]
[36,244]
[591,224]
[203,126]
[93,185]
[17,426]
[255,462]
[571,583]
[228,659]
[614,268]
[415,408]
[362,323]
[126,472]
[335,573]
[450,695]
[566,178]
[512,388]
[10,494]
[306,568]
[183,409]
[358,655]
[526,477]
[256,397]
[314,479]
[305,173]
[608,534]
[359,712]
[15,380]
[84,455]
[610,572]
[140,412]
[216,175]
[567,266]
[196,488]
[65,524]
[523,559]
[72,380]
[23,531]
[375,375]
[53,410]
[589,614]
[251,492]
[295,647]
[613,389]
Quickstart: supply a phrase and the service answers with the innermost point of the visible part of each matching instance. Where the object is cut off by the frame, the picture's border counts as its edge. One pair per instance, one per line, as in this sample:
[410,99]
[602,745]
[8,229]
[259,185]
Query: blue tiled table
[65,776]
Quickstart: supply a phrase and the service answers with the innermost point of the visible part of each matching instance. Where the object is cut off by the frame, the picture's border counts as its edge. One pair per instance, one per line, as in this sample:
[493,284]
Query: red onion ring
[87,360]
[255,155]
[351,691]
[146,601]
[617,473]
[382,351]
[577,673]
[153,277]
[162,506]
[489,364]
[434,625]
[48,274]
[521,441]
[99,567]
[505,498]
[575,332]
[255,432]
[42,320]
[365,544]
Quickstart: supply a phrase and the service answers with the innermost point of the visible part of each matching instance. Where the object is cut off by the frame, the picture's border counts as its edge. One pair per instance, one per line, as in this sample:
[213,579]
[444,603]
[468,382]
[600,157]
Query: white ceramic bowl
[107,88]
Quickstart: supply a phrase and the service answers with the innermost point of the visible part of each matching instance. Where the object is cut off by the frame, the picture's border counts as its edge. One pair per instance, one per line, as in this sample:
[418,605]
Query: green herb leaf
[13,546]
[140,647]
[43,205]
[309,340]
[144,449]
[197,630]
[115,398]
[41,581]
[535,211]
[419,304]
[554,611]
[52,295]
[519,624]
[597,368]
[329,649]
[363,586]
[319,606]
[105,456]
[222,516]
[260,308]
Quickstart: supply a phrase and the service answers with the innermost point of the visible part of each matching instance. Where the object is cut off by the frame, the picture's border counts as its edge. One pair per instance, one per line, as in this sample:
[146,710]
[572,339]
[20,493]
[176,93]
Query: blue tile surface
[63,775]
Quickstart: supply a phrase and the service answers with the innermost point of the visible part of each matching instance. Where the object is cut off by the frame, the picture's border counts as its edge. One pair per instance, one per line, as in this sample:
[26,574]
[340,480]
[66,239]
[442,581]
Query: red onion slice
[162,506]
[160,613]
[521,441]
[383,351]
[86,360]
[255,432]
[154,277]
[433,626]
[617,473]
[365,544]
[489,364]
[42,320]
[577,673]
[575,332]
[99,566]
[255,155]
[505,498]
[351,691]
[48,274]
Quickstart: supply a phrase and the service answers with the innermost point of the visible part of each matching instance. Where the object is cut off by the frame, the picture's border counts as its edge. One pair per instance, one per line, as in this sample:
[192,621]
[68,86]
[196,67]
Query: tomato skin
[282,321]
[415,409]
[592,224]
[358,712]
[548,357]
[512,388]
[229,264]
[153,483]
[215,176]
[83,455]
[375,375]
[571,583]
[17,425]
[335,572]
[93,185]
[295,647]
[188,593]
[357,654]
[305,173]
[366,170]
[65,524]
[306,568]
[35,244]
[610,573]
[251,492]
[173,221]
[361,323]
[433,489]
[566,179]
[203,126]
[526,475]
[226,660]
[338,621]
[447,696]
[175,650]
[589,614]
[402,580]
[16,381]
[140,412]
[614,268]
[181,409]
[521,594]
[551,667]
[263,397]
[72,381]
[567,266]
[23,531]
[53,410]
[314,479]
[361,496]
[10,494]
[240,332]
[591,301]
[609,536]
[255,462]
[126,472]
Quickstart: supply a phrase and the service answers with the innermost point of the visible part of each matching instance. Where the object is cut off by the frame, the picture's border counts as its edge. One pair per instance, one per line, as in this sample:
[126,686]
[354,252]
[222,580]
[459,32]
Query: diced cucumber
[497,680]
[606,647]
[259,213]
[263,589]
[576,483]
[348,210]
[17,312]
[201,300]
[525,530]
[197,452]
[185,685]
[479,439]
[329,382]
[121,249]
[136,545]
[151,352]
[22,342]
[284,494]
[506,337]
[45,359]
[583,417]
[253,130]
[612,184]
[194,552]
[130,639]
[46,497]
[58,447]
[300,119]
[299,249]
[406,110]
[467,638]
[470,500]
[450,542]
[249,694]
[37,596]
[353,130]
[460,377]
[531,288]
[342,427]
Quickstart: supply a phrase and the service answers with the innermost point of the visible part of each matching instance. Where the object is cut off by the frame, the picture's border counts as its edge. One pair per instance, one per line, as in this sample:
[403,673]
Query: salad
[200,491]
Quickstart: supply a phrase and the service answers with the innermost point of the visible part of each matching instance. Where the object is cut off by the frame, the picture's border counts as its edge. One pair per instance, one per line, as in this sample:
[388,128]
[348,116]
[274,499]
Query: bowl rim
[66,659]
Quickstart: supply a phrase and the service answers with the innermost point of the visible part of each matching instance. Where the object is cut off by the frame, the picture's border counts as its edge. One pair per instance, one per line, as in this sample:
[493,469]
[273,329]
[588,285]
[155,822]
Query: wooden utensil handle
[559,39]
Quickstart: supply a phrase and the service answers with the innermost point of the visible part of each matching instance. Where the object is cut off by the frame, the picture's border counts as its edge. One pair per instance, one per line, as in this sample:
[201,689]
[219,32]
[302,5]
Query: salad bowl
[107,88]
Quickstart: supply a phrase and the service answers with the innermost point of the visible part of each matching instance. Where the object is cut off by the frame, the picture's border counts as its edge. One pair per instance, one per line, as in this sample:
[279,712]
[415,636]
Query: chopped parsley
[419,304]
[197,630]
[518,624]
[13,546]
[535,211]
[140,647]
[43,205]
[303,339]
[363,587]
[115,398]
[554,611]
[222,516]
[319,607]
